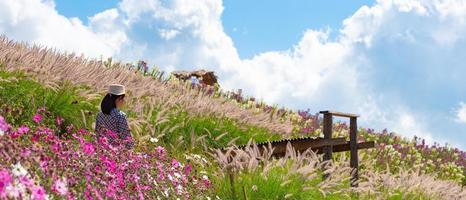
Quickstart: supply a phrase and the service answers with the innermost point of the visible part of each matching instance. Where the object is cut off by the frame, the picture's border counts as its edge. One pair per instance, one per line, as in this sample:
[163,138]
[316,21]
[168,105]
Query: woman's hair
[108,103]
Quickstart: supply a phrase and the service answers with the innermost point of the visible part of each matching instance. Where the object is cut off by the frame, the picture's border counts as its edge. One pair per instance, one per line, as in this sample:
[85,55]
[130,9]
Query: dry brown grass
[308,164]
[50,66]
[382,184]
[373,184]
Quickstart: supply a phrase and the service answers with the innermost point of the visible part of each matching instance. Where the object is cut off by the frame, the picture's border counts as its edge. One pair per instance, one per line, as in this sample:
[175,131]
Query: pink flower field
[37,164]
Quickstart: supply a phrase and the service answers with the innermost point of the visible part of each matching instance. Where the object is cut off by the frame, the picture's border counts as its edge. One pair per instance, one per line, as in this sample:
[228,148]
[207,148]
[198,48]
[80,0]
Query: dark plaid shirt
[117,122]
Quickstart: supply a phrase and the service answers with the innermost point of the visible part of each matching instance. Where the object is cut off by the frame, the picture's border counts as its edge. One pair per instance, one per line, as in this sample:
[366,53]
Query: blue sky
[83,8]
[255,26]
[399,64]
[277,25]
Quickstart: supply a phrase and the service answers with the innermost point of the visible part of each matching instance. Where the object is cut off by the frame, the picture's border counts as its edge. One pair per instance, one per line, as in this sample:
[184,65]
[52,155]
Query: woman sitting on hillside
[111,122]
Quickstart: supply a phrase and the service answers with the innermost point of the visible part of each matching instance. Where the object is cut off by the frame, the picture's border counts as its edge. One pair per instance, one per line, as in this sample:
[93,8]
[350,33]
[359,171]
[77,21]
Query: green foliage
[21,97]
[278,183]
[195,134]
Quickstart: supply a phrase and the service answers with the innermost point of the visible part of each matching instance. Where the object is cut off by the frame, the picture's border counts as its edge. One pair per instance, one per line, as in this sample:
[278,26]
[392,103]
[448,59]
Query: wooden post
[354,151]
[328,121]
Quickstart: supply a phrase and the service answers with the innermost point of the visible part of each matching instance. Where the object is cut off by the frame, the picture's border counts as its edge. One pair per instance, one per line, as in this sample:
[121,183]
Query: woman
[111,122]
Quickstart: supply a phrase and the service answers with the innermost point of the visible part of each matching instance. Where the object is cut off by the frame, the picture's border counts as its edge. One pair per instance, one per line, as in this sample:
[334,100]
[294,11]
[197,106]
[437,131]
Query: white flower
[1,132]
[208,198]
[179,188]
[166,193]
[177,175]
[170,177]
[154,140]
[204,160]
[18,170]
[254,188]
[15,191]
[205,177]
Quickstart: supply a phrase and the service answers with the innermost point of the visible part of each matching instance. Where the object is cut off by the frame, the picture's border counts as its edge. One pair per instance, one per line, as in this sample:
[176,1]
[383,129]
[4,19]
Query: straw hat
[116,89]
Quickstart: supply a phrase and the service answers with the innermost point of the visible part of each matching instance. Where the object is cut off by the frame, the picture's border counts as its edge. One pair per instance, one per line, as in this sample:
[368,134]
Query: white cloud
[110,28]
[387,62]
[38,22]
[461,113]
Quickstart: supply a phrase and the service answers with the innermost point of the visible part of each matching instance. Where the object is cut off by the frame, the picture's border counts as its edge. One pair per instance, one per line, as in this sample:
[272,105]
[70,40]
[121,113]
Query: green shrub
[21,97]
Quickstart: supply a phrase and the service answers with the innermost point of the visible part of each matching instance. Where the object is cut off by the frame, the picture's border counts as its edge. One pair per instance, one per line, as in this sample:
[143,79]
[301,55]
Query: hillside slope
[187,125]
[50,67]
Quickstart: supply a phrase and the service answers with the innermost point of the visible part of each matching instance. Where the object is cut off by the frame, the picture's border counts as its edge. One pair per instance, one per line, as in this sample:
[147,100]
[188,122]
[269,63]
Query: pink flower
[26,152]
[5,180]
[111,165]
[206,181]
[15,191]
[26,181]
[55,147]
[44,162]
[112,134]
[188,169]
[35,137]
[23,129]
[103,140]
[83,131]
[69,128]
[15,134]
[160,150]
[111,190]
[37,118]
[4,127]
[59,120]
[41,109]
[175,164]
[88,148]
[60,187]
[38,193]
